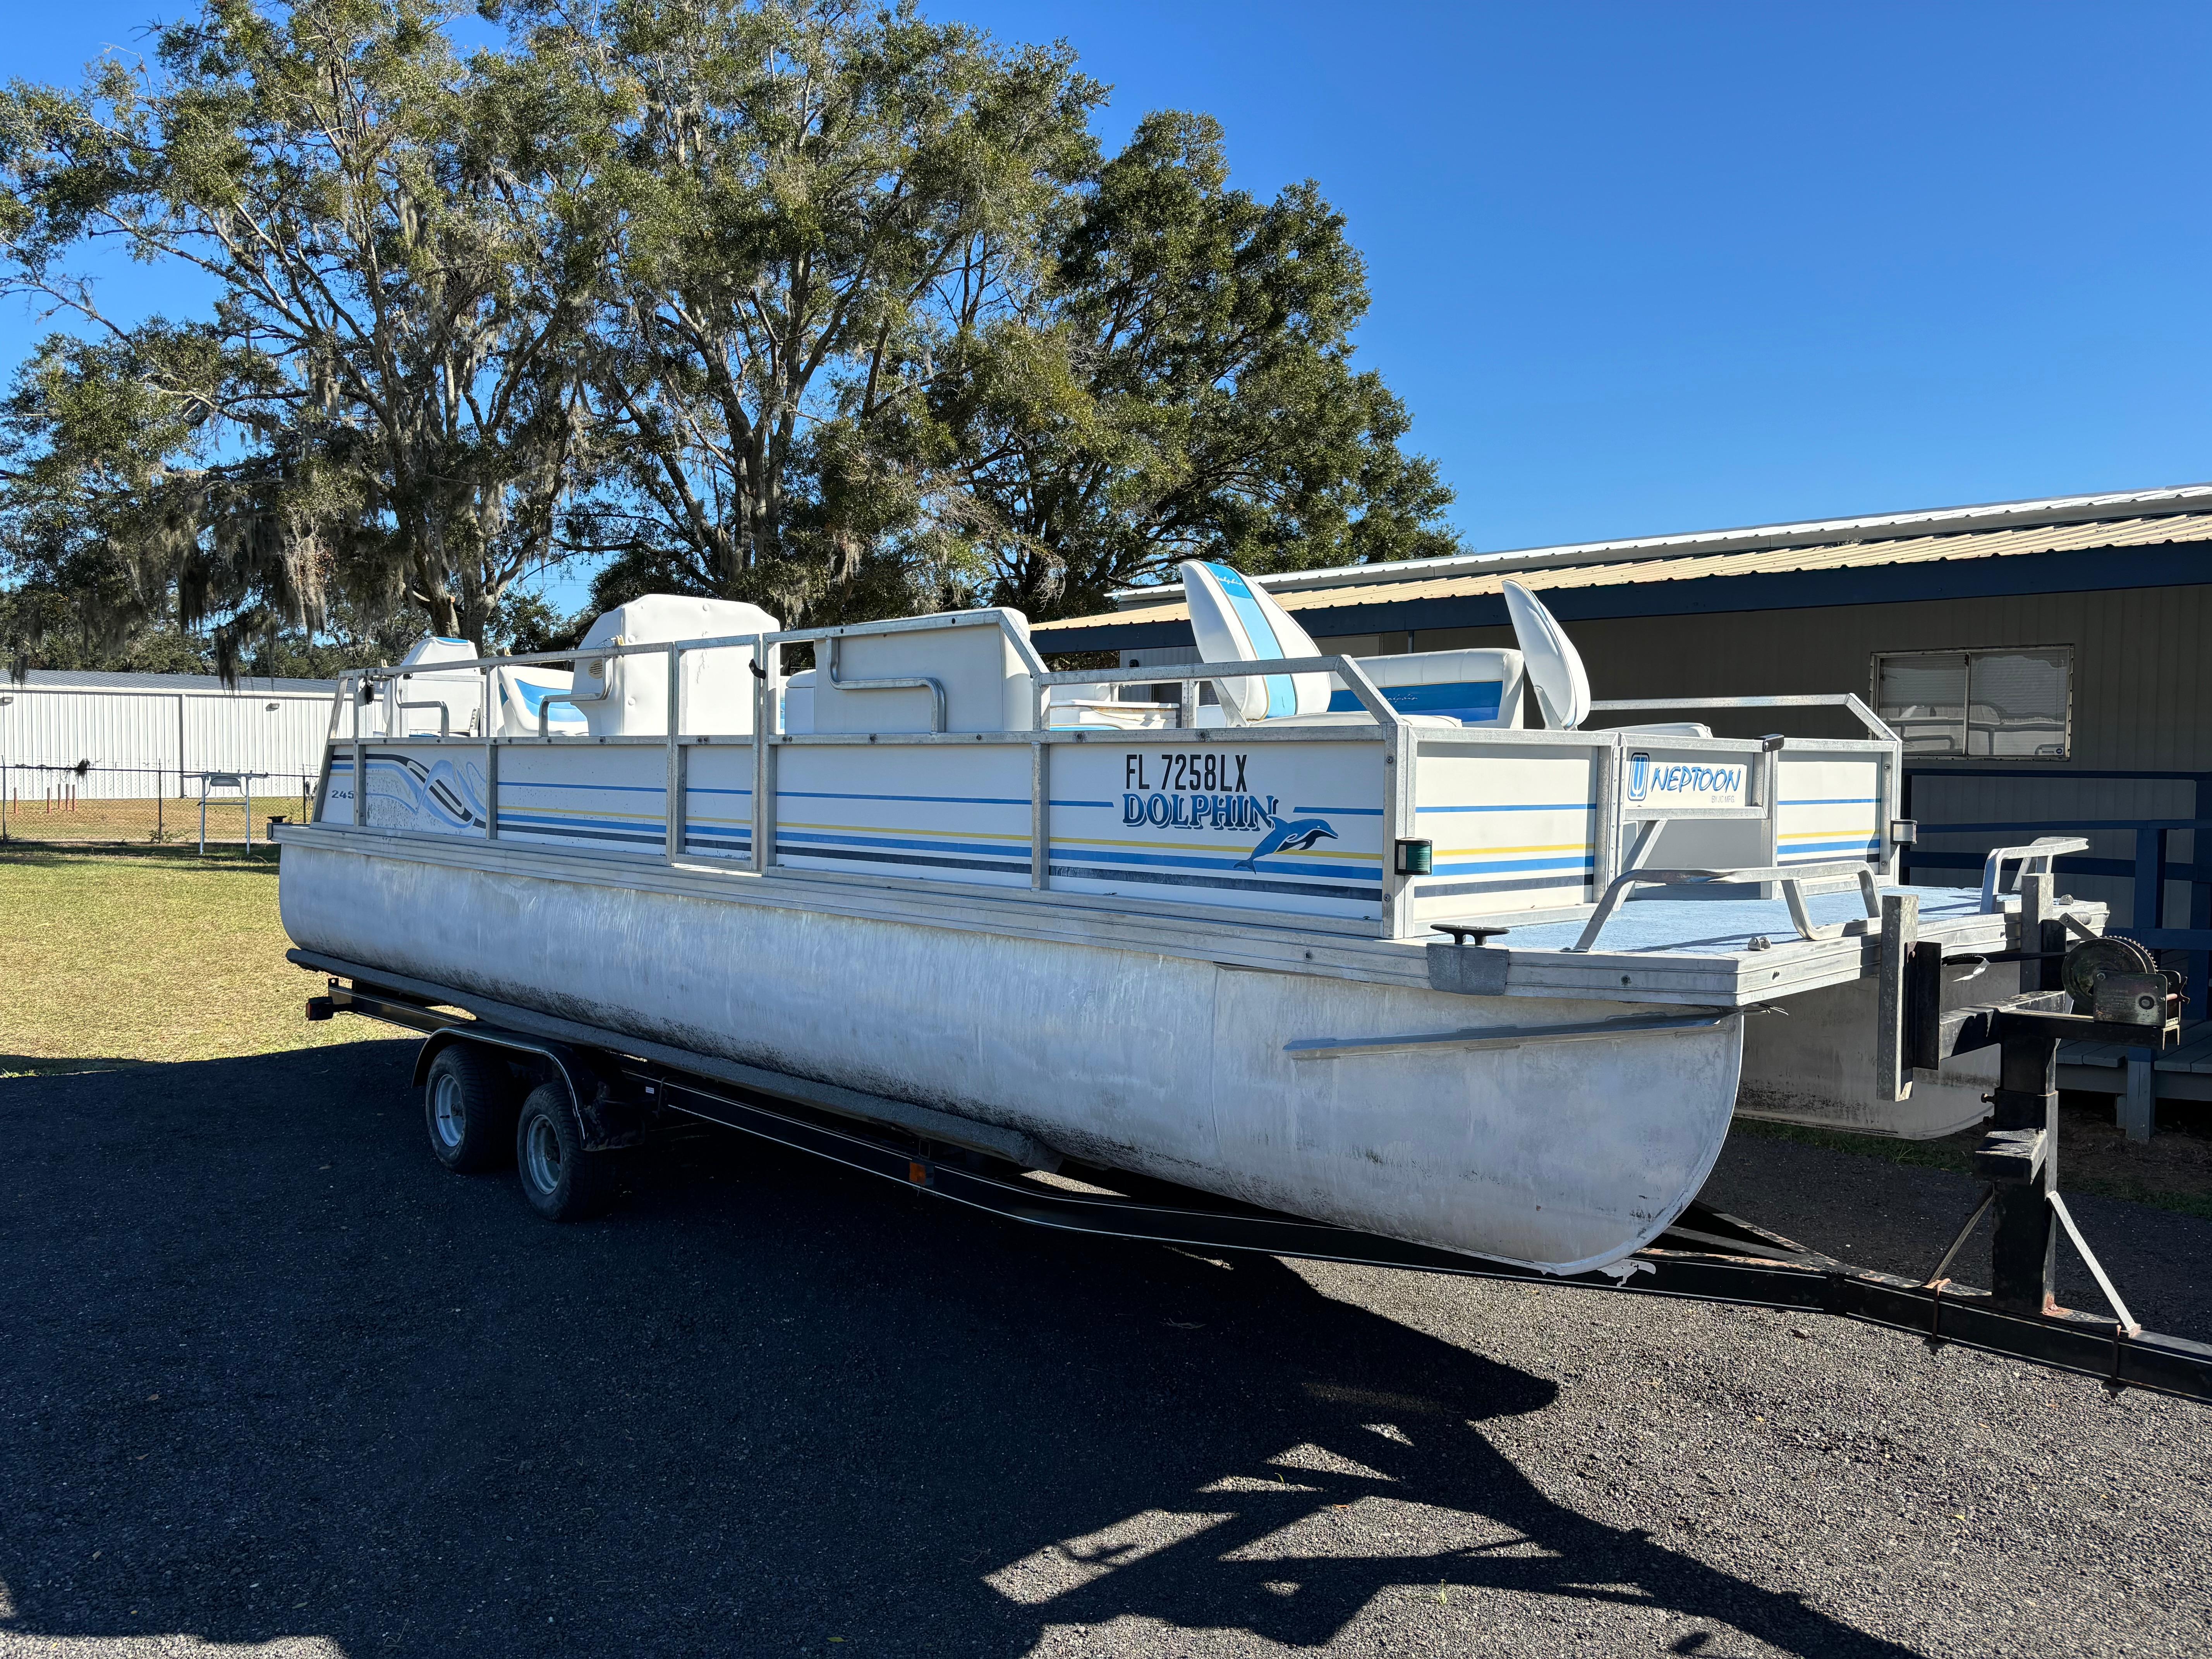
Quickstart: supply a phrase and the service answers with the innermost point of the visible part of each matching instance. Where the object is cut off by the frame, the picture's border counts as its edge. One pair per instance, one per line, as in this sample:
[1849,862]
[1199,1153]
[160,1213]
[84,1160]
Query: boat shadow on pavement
[267,1372]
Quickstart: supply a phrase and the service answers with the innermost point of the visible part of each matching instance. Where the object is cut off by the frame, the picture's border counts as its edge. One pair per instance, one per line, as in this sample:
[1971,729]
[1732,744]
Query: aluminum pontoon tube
[1560,1156]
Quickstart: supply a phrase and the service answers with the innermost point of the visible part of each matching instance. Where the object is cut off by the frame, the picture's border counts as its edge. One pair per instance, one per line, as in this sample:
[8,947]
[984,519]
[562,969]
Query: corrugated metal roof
[1382,587]
[2041,513]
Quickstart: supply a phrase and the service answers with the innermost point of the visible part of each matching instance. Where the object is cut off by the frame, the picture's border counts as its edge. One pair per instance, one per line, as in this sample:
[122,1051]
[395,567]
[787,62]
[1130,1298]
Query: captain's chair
[1238,621]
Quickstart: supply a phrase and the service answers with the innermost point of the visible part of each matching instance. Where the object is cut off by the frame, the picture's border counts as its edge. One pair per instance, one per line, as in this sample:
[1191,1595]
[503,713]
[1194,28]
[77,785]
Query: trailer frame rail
[1705,1256]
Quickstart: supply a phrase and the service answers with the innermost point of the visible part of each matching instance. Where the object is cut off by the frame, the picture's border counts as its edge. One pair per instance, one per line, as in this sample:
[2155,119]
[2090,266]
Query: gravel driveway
[270,1380]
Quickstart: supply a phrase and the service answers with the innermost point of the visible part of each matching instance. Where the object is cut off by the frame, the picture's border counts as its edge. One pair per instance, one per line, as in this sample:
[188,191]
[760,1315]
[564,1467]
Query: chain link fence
[122,806]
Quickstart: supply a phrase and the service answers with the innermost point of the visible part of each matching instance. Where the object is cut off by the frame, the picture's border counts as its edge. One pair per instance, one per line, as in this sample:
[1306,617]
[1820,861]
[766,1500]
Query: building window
[1978,705]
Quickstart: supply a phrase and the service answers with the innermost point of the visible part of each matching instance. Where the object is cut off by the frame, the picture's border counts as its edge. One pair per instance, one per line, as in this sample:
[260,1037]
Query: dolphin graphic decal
[1289,835]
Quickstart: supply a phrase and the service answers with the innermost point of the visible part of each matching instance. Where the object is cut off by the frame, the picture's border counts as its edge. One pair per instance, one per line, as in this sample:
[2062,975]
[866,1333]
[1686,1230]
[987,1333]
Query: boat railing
[1622,821]
[1844,699]
[1387,717]
[356,691]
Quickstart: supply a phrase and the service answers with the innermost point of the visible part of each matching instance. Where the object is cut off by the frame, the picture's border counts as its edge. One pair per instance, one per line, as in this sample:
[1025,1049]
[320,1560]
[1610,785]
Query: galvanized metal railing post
[1605,829]
[491,757]
[360,759]
[1401,801]
[674,787]
[1040,812]
[768,681]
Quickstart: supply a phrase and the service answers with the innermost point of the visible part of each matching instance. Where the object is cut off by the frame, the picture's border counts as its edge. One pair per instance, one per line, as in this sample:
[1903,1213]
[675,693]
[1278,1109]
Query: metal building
[136,735]
[2044,662]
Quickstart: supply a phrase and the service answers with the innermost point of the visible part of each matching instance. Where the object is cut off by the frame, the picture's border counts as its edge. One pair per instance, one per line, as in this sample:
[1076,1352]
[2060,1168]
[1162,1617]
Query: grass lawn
[119,957]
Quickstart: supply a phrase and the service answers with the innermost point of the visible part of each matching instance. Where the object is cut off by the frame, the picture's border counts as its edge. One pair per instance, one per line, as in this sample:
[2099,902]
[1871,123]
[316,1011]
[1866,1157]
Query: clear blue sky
[1640,268]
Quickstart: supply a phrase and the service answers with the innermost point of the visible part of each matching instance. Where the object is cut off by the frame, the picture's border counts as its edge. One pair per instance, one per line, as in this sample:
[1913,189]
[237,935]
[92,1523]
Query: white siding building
[135,735]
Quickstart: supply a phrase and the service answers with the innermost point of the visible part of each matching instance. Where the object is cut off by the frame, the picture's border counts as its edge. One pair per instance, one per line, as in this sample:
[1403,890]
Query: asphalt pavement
[272,1382]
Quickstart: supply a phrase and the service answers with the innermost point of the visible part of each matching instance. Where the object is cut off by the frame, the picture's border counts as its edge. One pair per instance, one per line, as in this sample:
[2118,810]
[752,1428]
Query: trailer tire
[560,1179]
[469,1105]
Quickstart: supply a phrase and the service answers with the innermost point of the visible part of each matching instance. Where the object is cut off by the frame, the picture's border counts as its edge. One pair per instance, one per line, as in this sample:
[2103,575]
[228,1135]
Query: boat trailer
[626,1093]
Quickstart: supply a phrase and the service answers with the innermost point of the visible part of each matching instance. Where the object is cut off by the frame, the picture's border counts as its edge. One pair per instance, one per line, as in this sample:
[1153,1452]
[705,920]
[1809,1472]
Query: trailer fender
[603,1119]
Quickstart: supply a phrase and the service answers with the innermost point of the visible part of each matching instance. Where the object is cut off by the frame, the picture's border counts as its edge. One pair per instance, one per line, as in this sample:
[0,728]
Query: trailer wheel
[469,1107]
[563,1182]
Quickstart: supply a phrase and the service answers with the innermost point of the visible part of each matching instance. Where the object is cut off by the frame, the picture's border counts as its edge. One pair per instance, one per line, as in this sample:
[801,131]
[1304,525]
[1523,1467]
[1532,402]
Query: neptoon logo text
[1645,779]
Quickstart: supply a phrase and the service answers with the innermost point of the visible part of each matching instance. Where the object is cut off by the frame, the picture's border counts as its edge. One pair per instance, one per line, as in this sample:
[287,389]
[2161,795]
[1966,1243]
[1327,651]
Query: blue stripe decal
[1343,812]
[1471,700]
[1107,804]
[596,826]
[618,788]
[1503,884]
[1368,895]
[588,834]
[1470,865]
[951,800]
[1282,695]
[1022,868]
[701,789]
[1274,864]
[1017,850]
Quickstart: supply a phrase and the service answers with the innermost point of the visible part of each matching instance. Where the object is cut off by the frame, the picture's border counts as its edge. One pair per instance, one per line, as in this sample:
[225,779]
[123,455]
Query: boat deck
[1734,951]
[1685,921]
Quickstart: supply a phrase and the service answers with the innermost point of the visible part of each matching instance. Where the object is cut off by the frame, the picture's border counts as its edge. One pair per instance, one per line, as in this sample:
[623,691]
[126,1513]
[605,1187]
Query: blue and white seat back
[1237,621]
[1477,686]
[518,695]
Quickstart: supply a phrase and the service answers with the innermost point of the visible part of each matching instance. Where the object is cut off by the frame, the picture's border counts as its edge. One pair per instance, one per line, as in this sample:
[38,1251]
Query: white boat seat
[1475,688]
[963,671]
[1237,621]
[798,704]
[1068,708]
[1555,666]
[1234,620]
[628,697]
[410,703]
[1361,717]
[1667,729]
[518,695]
